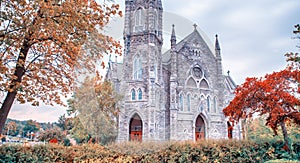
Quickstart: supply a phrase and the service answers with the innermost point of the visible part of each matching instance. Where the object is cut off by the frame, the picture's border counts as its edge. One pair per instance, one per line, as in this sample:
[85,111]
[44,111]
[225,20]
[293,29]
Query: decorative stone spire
[217,48]
[217,45]
[173,37]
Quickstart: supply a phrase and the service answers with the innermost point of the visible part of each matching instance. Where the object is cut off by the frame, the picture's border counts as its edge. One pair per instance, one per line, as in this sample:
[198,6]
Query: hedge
[206,151]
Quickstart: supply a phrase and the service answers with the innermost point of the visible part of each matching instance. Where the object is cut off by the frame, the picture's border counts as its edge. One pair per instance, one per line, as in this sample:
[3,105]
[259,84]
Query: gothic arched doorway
[135,128]
[199,129]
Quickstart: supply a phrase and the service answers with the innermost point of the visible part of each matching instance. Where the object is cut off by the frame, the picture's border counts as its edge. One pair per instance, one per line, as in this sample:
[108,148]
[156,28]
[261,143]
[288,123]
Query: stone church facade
[176,95]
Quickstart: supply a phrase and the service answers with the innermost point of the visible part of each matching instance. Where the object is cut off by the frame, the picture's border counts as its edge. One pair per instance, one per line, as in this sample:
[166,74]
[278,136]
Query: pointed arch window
[204,84]
[208,104]
[191,83]
[181,102]
[132,94]
[139,20]
[137,68]
[215,105]
[189,102]
[140,94]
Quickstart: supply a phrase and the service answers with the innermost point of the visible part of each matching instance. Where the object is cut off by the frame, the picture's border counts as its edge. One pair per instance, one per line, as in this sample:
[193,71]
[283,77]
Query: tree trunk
[244,129]
[11,95]
[285,137]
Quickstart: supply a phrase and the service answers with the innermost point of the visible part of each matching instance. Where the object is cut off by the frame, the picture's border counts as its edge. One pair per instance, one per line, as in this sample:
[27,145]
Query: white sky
[254,36]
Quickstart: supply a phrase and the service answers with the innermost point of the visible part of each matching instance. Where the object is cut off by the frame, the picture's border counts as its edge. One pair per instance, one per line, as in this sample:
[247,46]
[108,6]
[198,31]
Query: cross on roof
[195,26]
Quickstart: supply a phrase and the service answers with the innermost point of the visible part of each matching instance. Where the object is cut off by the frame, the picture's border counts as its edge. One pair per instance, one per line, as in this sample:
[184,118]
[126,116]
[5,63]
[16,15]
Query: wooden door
[135,128]
[199,129]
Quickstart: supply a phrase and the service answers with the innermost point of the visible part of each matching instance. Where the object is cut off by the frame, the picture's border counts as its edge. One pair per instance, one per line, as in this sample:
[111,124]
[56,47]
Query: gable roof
[230,83]
[194,35]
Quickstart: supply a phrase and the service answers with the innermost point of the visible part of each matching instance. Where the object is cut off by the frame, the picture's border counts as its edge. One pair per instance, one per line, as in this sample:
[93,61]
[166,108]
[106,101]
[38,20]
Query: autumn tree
[11,127]
[42,44]
[96,105]
[52,133]
[274,96]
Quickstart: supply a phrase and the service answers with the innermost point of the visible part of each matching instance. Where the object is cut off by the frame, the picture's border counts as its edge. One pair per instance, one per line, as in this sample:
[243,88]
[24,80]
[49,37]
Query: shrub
[204,151]
[67,142]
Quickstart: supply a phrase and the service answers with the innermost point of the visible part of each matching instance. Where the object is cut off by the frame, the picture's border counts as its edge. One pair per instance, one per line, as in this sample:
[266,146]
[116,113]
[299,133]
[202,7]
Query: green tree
[42,43]
[52,133]
[30,127]
[257,130]
[95,103]
[79,132]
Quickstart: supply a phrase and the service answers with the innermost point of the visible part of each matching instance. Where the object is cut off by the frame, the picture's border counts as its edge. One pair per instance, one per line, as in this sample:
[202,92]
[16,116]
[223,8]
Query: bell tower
[142,72]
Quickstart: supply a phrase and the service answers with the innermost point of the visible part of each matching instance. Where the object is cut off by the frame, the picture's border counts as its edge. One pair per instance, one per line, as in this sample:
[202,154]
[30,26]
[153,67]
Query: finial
[217,45]
[195,26]
[173,36]
[228,72]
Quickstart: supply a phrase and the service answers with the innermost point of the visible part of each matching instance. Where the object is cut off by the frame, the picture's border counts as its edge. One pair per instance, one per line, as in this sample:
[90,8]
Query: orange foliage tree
[41,45]
[276,96]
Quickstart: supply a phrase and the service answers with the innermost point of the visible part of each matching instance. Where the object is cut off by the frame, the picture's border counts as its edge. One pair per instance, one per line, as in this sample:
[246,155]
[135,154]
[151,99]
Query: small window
[181,102]
[208,104]
[189,102]
[132,94]
[137,68]
[140,94]
[215,105]
[139,20]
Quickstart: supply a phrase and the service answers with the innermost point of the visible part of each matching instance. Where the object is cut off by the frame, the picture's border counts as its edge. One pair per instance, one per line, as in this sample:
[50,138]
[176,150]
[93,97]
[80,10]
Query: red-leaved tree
[276,95]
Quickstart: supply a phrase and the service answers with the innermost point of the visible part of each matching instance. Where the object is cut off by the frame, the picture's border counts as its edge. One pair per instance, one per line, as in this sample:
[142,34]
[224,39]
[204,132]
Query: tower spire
[173,37]
[217,45]
[217,48]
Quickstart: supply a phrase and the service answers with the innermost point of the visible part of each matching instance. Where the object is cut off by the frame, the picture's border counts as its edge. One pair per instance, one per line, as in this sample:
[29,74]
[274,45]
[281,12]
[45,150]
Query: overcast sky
[254,36]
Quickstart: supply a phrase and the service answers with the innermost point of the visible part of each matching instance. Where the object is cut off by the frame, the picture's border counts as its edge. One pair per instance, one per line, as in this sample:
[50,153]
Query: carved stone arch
[135,127]
[201,64]
[191,82]
[139,19]
[204,84]
[200,126]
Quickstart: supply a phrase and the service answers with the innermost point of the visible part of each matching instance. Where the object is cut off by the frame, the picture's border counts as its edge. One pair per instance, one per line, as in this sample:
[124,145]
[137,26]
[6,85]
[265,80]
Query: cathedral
[176,95]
